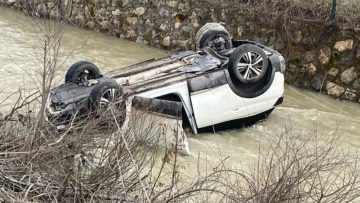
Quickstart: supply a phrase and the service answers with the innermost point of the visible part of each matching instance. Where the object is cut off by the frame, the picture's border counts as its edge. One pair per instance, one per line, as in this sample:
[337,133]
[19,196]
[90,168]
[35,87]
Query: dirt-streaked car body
[223,81]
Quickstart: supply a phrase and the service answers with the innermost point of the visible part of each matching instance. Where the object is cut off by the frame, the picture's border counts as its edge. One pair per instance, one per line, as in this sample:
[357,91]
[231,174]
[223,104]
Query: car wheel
[248,63]
[82,71]
[103,95]
[213,35]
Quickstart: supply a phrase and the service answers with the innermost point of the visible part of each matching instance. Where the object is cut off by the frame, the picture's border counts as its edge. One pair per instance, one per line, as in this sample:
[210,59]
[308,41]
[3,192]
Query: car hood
[69,93]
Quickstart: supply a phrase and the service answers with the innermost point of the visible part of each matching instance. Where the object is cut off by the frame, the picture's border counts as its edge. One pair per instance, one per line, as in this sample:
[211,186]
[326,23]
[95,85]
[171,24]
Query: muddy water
[303,110]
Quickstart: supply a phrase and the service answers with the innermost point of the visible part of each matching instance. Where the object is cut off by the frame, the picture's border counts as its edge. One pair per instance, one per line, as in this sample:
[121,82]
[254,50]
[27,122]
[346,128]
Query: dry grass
[284,11]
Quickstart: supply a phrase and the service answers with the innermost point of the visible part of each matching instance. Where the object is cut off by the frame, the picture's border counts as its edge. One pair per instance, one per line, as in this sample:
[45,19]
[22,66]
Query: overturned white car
[224,80]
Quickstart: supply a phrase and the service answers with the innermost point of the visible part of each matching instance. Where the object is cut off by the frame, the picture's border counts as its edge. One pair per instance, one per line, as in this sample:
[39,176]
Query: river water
[303,110]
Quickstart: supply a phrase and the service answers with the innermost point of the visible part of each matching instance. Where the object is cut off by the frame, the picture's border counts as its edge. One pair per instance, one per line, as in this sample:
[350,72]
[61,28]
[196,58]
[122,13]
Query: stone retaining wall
[320,57]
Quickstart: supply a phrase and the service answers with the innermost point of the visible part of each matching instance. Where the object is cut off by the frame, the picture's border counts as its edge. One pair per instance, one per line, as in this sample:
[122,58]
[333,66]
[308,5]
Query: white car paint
[267,100]
[217,105]
[221,104]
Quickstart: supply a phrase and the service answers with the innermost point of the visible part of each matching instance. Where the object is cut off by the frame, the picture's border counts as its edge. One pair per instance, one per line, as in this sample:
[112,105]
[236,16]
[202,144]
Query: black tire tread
[208,30]
[96,93]
[76,68]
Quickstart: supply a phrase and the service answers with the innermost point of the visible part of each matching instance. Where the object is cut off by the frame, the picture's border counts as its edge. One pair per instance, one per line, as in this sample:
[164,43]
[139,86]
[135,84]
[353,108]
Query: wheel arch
[186,112]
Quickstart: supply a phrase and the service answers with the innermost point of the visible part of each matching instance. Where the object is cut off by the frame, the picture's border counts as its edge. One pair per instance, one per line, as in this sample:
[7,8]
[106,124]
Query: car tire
[81,69]
[103,95]
[248,63]
[211,32]
[253,87]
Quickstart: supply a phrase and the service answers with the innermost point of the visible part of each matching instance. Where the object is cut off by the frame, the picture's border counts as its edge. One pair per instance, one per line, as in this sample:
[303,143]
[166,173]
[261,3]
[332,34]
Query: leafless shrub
[290,168]
[97,160]
[79,164]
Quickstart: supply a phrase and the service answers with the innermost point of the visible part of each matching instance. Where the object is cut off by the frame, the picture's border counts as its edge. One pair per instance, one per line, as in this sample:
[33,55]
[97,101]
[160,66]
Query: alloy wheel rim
[250,66]
[107,98]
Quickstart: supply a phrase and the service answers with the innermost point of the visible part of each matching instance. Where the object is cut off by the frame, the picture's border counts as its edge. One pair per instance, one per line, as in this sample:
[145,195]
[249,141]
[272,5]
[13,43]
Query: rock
[163,12]
[130,34]
[182,44]
[195,20]
[181,6]
[325,55]
[80,18]
[350,94]
[186,30]
[309,56]
[173,42]
[310,69]
[104,25]
[177,25]
[163,27]
[333,72]
[344,45]
[356,84]
[131,20]
[117,12]
[166,41]
[139,39]
[172,4]
[334,89]
[90,24]
[139,11]
[348,75]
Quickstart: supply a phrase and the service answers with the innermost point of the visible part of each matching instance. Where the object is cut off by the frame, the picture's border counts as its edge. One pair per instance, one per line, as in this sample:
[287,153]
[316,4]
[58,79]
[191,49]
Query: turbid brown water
[304,110]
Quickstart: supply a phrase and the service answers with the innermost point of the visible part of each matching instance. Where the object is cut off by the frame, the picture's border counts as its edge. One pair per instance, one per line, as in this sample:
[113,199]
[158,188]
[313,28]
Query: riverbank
[321,56]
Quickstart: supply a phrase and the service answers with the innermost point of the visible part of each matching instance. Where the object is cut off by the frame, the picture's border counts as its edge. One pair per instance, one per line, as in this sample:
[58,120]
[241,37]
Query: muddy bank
[321,57]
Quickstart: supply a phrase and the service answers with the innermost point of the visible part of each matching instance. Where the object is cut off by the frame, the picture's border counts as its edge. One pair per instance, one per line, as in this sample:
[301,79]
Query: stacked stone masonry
[320,57]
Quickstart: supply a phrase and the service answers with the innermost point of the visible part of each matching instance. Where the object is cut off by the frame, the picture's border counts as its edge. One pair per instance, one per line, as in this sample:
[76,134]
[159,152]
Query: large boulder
[349,75]
[344,45]
[139,11]
[350,94]
[324,55]
[334,89]
[333,72]
[166,41]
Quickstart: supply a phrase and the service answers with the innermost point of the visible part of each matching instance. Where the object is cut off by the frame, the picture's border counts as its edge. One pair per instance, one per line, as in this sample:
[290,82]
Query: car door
[213,101]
